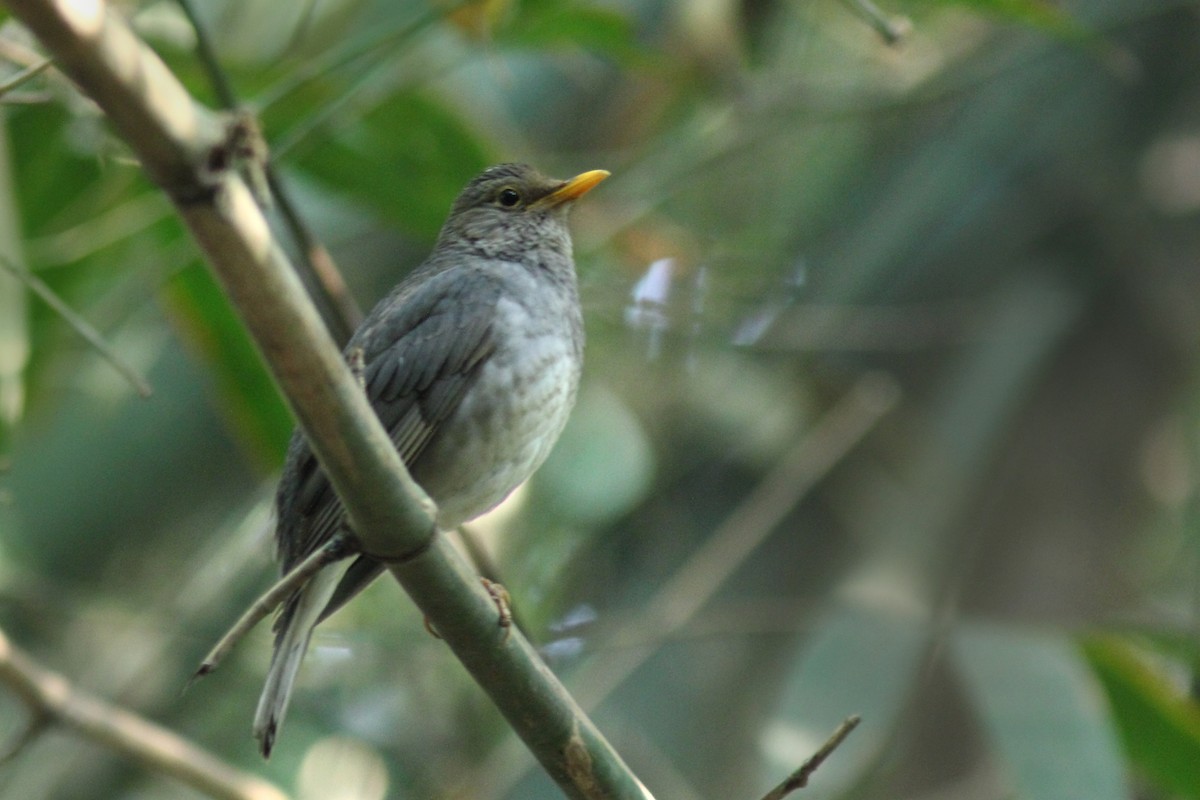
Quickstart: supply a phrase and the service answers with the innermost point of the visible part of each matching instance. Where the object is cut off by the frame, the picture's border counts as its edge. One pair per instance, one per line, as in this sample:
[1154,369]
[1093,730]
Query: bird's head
[513,208]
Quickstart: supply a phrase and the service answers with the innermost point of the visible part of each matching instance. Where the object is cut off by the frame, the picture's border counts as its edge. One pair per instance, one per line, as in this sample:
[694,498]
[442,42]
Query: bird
[472,365]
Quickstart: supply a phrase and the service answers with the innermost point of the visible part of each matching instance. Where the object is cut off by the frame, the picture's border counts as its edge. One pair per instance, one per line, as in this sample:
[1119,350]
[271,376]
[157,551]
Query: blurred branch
[750,524]
[81,325]
[179,144]
[378,39]
[27,74]
[892,28]
[799,778]
[320,272]
[51,699]
[696,582]
[208,58]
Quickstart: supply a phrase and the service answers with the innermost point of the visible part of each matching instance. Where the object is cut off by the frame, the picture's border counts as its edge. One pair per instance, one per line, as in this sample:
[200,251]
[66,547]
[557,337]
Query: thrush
[472,365]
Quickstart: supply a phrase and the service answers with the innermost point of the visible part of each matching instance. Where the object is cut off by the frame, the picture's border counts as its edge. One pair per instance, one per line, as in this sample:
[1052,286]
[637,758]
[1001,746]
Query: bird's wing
[422,347]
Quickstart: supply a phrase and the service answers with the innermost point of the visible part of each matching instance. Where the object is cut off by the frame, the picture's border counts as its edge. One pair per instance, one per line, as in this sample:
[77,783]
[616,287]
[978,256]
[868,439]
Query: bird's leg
[357,364]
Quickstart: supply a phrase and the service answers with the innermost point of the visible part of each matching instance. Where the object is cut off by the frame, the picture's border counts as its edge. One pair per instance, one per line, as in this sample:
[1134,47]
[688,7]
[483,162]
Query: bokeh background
[890,405]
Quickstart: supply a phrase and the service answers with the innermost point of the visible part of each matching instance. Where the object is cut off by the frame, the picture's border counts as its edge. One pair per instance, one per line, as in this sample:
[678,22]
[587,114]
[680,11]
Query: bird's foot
[500,597]
[503,601]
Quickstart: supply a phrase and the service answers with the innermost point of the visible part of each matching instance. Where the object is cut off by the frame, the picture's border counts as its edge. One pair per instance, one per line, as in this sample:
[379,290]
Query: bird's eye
[509,198]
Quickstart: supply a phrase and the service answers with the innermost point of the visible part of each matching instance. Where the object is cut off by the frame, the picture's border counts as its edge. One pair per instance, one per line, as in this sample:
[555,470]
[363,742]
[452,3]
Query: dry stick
[392,518]
[697,581]
[334,550]
[23,76]
[51,698]
[81,325]
[799,778]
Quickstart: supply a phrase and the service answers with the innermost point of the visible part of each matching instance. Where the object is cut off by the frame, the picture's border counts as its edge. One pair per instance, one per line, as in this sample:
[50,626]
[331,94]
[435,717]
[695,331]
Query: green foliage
[987,214]
[1044,15]
[406,158]
[247,392]
[1159,724]
[1037,701]
[554,26]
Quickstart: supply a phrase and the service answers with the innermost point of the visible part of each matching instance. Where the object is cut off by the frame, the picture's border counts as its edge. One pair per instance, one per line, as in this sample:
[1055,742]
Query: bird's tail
[292,634]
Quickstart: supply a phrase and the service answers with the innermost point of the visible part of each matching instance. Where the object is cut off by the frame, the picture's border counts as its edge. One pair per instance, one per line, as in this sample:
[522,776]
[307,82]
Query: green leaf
[408,157]
[14,318]
[599,30]
[249,396]
[1042,708]
[1159,724]
[52,177]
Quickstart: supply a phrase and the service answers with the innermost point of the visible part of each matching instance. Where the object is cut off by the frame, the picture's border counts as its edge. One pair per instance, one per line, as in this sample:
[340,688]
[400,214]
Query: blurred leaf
[50,175]
[249,395]
[67,199]
[14,354]
[479,18]
[407,157]
[1043,710]
[602,464]
[857,661]
[14,320]
[1159,724]
[1039,14]
[599,30]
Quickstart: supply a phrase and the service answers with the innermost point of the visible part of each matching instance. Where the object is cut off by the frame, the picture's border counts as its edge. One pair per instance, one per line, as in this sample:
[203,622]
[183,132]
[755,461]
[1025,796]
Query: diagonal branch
[50,698]
[81,325]
[179,144]
[319,271]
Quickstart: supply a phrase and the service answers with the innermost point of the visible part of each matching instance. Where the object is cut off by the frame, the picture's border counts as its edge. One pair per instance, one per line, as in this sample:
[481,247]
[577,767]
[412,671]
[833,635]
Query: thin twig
[81,325]
[208,58]
[334,60]
[24,76]
[33,728]
[320,272]
[301,28]
[51,698]
[335,550]
[799,778]
[893,29]
[345,313]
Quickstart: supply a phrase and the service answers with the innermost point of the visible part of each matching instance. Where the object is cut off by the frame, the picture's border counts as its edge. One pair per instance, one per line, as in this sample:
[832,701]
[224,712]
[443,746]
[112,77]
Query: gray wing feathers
[422,347]
[419,363]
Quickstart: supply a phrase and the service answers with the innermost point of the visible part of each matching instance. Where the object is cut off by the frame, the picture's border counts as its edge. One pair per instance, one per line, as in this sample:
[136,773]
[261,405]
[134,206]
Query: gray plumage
[471,363]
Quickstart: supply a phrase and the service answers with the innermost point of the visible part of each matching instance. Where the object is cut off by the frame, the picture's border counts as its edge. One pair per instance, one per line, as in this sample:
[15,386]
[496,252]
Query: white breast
[510,418]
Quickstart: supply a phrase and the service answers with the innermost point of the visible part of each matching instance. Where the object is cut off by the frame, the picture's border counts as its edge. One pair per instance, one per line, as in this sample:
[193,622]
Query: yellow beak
[573,189]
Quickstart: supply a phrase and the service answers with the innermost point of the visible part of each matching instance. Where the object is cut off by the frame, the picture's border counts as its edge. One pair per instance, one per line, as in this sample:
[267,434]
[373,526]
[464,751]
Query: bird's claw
[503,601]
[500,597]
